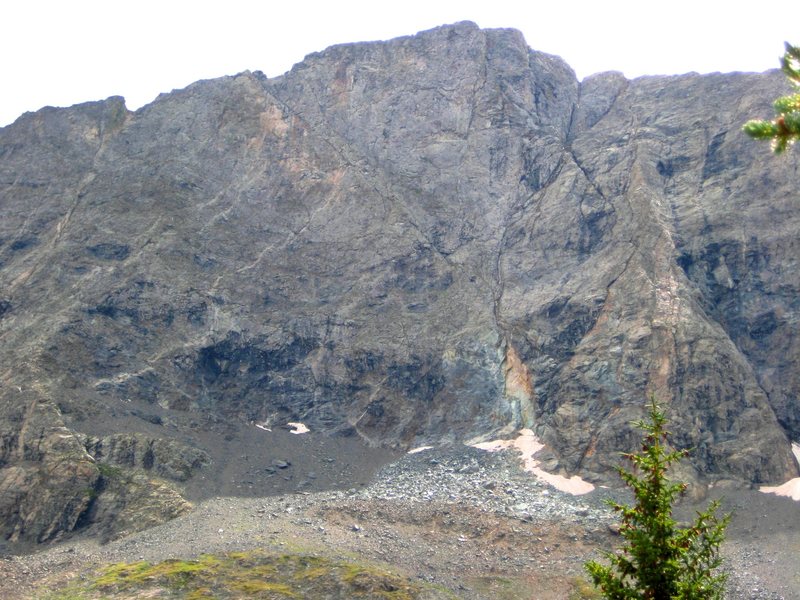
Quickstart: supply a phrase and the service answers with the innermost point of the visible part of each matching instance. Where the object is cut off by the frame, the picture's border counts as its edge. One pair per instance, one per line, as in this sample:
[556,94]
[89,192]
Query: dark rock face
[166,458]
[437,238]
[47,475]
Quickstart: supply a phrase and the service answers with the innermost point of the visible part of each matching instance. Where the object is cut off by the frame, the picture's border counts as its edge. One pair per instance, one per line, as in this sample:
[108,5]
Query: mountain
[439,238]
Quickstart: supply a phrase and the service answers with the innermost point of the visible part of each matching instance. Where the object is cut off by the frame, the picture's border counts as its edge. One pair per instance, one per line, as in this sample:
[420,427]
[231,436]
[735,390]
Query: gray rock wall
[437,238]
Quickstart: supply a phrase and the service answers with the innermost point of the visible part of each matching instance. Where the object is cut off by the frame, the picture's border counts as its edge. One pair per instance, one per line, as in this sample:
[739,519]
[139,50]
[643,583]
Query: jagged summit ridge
[437,238]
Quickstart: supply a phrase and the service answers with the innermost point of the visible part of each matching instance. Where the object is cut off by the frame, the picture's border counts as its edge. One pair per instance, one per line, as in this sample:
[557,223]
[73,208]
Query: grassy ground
[246,575]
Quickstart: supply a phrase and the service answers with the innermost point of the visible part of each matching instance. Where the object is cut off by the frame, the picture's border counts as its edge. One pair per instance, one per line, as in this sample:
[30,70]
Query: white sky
[61,52]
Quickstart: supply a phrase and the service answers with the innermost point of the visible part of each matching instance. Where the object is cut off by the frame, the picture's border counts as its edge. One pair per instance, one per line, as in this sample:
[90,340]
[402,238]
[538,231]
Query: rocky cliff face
[437,238]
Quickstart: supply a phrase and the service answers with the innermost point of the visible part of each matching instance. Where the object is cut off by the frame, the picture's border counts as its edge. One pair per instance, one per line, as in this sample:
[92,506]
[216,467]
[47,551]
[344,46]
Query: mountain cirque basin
[438,239]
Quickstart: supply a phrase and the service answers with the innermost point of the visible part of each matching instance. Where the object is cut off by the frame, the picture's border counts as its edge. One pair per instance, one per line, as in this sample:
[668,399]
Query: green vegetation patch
[176,574]
[255,574]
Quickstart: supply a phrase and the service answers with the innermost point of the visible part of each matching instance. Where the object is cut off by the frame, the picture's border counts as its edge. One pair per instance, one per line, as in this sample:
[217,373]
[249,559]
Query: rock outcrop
[438,238]
[129,500]
[165,458]
[47,478]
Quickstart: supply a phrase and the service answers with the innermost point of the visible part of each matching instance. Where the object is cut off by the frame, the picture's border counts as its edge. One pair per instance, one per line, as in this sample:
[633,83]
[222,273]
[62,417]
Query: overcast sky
[63,52]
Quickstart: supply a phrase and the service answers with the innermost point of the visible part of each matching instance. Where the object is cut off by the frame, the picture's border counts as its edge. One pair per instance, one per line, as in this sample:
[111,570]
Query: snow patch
[263,426]
[791,488]
[528,445]
[420,449]
[298,428]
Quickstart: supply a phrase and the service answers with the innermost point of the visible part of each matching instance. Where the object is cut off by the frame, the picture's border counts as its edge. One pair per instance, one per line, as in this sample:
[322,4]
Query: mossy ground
[245,575]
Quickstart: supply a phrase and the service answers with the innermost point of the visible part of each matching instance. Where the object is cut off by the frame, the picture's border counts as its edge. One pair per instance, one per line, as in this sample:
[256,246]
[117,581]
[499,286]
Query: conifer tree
[660,560]
[784,130]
